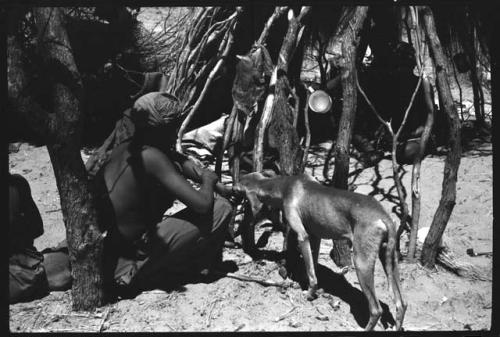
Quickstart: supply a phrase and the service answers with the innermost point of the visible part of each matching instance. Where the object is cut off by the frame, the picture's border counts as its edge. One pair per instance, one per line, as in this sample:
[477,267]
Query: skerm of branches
[193,69]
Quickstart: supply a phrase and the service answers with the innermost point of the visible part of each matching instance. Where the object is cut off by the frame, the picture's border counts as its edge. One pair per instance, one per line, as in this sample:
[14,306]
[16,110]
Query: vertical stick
[258,149]
[415,182]
[225,140]
[236,146]
[308,134]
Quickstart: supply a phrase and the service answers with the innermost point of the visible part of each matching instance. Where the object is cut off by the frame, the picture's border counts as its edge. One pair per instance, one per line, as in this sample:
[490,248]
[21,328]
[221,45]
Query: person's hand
[232,193]
[225,190]
[195,160]
[209,177]
[198,170]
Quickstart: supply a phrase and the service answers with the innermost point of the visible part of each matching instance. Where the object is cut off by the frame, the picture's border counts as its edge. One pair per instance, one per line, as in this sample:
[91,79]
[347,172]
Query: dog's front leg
[305,248]
[283,271]
[248,232]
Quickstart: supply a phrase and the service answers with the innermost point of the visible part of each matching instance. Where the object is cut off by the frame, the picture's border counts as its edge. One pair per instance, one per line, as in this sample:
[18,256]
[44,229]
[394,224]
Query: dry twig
[252,279]
[285,315]
[105,316]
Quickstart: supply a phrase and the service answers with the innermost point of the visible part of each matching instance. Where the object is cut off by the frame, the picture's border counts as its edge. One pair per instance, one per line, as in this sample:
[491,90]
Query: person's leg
[172,250]
[185,243]
[208,250]
[210,245]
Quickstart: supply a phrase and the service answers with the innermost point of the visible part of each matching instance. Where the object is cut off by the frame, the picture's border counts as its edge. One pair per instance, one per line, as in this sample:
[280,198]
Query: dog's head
[248,187]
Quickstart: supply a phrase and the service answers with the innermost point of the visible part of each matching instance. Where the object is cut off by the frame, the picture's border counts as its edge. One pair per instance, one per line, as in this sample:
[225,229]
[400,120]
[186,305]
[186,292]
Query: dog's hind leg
[366,247]
[400,303]
[394,285]
[305,247]
[315,245]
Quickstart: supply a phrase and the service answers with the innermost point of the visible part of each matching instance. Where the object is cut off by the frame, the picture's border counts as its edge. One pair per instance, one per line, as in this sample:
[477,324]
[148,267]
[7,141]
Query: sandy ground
[437,300]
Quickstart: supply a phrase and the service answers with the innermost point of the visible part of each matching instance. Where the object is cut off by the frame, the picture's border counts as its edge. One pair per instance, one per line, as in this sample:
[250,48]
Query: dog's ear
[255,203]
[268,173]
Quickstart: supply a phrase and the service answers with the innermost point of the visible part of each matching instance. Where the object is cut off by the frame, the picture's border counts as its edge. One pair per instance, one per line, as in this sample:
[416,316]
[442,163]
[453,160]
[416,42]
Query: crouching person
[27,279]
[140,181]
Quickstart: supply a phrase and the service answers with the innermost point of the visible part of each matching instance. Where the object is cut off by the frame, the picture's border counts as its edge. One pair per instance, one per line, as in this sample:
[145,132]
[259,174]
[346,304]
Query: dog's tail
[390,253]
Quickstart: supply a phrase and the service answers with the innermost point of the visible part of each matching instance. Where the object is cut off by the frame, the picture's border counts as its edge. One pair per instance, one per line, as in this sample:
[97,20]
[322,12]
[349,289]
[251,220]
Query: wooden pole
[341,250]
[452,161]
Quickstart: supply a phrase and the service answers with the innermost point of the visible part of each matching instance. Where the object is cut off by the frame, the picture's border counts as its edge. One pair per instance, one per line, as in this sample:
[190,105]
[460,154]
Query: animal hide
[252,76]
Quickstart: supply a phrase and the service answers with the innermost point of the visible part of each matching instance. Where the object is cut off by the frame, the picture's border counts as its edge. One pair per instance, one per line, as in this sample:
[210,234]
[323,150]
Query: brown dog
[314,212]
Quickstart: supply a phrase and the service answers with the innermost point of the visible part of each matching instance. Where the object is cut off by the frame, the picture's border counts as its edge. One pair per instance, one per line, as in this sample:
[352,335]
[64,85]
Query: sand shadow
[174,282]
[334,284]
[268,255]
[337,285]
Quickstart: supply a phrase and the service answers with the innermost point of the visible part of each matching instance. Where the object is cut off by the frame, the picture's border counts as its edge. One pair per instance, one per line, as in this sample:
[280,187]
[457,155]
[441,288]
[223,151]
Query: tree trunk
[79,214]
[307,141]
[452,162]
[346,123]
[341,250]
[61,129]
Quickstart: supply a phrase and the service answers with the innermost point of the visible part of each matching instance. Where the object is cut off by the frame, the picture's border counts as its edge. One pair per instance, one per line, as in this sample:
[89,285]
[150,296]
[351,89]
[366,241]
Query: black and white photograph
[250,167]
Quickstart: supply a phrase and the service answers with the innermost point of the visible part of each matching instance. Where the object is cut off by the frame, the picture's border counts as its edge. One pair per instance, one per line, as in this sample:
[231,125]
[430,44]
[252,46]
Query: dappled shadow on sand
[336,285]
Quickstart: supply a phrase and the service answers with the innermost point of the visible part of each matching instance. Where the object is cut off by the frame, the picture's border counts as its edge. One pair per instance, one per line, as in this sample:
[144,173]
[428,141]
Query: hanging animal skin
[252,73]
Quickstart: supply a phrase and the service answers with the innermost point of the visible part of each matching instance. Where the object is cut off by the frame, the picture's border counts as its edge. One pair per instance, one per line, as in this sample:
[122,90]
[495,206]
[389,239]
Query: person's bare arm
[192,170]
[158,165]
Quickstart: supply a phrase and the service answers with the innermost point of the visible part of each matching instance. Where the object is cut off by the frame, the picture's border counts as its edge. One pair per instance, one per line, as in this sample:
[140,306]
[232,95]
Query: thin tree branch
[410,104]
[384,122]
[278,12]
[230,39]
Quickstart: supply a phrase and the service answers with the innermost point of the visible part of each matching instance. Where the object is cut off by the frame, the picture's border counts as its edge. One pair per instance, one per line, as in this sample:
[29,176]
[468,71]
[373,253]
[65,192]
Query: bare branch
[278,12]
[384,122]
[210,78]
[410,104]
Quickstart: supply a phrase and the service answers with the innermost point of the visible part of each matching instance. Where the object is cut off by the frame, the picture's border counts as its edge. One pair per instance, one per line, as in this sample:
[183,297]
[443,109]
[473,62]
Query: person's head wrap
[155,109]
